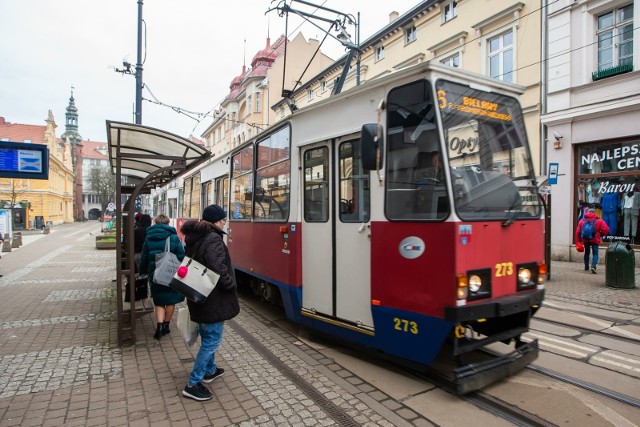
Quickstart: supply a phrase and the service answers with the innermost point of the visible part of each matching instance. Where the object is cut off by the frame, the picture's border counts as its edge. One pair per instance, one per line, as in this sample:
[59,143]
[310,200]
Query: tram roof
[142,151]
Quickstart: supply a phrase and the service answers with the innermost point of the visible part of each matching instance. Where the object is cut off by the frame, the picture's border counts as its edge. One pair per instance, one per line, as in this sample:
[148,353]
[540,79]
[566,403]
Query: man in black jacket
[204,242]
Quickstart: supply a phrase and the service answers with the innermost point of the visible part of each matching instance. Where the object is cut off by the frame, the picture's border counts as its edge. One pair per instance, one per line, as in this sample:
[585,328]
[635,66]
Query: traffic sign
[553,173]
[111,207]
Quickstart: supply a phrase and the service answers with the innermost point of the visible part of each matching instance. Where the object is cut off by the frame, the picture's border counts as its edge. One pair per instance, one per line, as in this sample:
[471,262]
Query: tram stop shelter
[141,158]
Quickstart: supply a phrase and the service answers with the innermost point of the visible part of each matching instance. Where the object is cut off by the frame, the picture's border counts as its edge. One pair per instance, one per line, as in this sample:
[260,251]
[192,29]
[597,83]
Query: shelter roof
[150,155]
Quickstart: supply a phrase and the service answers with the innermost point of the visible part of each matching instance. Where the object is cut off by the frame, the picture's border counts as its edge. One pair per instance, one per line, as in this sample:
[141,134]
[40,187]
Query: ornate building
[39,201]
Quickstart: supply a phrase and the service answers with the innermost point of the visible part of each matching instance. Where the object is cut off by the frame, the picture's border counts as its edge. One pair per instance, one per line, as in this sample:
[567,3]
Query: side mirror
[371,146]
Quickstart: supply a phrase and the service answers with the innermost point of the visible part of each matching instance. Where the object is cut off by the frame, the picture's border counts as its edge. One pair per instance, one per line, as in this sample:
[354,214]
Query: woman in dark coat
[204,242]
[164,298]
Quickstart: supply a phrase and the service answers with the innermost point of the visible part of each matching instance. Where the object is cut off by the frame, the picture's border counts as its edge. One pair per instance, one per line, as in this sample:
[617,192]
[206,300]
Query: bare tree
[103,182]
[14,189]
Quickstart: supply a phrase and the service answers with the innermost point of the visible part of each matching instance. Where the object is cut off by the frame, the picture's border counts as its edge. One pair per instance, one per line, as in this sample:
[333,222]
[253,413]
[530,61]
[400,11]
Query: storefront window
[609,181]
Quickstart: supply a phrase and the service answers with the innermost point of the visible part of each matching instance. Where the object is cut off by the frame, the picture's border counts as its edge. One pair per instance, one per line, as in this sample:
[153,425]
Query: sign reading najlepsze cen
[24,160]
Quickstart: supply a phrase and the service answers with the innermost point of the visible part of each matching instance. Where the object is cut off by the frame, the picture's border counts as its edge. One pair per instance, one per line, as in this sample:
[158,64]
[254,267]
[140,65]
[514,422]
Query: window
[379,53]
[452,61]
[258,102]
[409,35]
[354,185]
[416,186]
[273,174]
[323,86]
[222,192]
[501,57]
[316,185]
[249,104]
[310,95]
[449,11]
[241,184]
[607,176]
[615,38]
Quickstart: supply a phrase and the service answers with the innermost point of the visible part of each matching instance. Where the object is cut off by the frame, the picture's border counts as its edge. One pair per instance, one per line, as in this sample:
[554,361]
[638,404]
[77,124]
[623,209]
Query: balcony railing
[611,71]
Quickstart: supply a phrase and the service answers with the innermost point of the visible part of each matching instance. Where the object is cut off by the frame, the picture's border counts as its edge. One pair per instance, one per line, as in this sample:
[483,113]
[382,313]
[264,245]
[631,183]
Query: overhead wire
[202,116]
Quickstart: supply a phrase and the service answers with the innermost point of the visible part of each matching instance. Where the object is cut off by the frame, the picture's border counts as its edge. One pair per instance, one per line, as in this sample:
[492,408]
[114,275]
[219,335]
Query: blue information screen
[23,160]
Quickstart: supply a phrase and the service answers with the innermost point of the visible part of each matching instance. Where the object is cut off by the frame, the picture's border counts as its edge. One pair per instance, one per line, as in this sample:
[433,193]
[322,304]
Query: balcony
[611,71]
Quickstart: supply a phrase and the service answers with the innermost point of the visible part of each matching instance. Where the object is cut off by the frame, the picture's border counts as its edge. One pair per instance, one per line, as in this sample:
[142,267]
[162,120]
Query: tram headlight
[524,276]
[527,276]
[479,284]
[475,283]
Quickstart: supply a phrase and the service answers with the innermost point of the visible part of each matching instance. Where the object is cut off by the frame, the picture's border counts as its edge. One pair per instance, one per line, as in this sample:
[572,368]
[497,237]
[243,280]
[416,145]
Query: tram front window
[416,183]
[489,159]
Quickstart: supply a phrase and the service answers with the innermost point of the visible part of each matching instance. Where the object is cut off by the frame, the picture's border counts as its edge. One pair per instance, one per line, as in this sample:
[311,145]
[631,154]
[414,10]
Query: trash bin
[620,265]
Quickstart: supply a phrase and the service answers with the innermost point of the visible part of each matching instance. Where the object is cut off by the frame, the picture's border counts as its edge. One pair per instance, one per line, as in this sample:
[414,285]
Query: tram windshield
[488,153]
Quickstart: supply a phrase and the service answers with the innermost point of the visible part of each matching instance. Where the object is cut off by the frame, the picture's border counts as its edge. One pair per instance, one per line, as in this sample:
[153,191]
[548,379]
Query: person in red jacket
[591,243]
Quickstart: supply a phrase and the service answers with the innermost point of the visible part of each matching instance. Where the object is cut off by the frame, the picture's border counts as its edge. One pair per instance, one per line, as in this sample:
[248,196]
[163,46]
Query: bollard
[6,245]
[17,237]
[46,230]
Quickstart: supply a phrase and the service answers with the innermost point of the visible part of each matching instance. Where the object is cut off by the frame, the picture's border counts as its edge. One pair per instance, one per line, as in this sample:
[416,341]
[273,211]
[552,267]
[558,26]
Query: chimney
[393,16]
[2,122]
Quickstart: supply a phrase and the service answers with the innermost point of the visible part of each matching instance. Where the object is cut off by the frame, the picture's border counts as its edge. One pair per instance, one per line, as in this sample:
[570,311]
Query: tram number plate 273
[504,269]
[405,325]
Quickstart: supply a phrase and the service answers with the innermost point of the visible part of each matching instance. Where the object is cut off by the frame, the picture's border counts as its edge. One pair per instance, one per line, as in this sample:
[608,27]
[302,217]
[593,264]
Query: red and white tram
[402,215]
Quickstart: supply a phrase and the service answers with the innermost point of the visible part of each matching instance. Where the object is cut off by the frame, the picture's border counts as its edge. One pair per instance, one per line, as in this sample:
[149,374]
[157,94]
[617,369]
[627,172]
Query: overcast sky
[193,49]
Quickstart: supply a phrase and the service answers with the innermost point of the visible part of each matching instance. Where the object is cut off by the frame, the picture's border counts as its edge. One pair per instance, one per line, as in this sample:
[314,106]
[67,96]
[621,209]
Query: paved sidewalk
[59,364]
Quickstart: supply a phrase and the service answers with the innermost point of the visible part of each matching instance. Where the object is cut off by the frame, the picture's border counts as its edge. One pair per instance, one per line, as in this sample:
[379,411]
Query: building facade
[94,155]
[40,201]
[500,39]
[593,118]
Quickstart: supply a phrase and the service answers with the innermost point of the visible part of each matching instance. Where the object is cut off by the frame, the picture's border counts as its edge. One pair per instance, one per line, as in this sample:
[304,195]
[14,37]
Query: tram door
[336,254]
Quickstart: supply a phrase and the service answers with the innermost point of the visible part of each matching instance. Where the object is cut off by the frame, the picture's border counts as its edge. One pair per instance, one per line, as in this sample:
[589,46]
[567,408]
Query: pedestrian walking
[204,242]
[164,298]
[589,233]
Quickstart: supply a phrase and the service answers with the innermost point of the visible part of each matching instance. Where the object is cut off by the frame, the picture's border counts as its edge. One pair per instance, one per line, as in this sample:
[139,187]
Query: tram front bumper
[475,376]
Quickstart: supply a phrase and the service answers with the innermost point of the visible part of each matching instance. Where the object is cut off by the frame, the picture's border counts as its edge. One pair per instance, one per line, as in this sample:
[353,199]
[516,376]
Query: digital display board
[24,160]
[473,102]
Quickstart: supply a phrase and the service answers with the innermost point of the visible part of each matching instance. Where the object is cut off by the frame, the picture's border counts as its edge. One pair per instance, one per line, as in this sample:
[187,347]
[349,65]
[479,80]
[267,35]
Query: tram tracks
[583,330]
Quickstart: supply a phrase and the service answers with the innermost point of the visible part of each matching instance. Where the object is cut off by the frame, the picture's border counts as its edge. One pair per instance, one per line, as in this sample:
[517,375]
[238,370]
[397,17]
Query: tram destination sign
[24,160]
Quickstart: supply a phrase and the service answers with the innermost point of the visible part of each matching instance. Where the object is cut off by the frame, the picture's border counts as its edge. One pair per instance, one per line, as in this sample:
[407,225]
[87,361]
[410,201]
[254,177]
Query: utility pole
[127,69]
[139,68]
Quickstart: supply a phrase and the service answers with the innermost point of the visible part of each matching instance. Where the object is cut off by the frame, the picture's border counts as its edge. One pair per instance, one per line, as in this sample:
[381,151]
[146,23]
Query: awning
[143,151]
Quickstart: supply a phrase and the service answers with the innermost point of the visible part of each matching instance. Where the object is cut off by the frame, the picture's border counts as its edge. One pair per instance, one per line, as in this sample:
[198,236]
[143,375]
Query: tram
[402,216]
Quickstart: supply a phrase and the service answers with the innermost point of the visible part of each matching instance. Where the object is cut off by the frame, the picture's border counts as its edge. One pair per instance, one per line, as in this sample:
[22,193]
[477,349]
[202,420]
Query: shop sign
[626,157]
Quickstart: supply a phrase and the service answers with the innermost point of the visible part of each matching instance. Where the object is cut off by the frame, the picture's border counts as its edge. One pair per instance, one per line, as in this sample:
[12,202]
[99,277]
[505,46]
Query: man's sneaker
[593,270]
[210,377]
[197,392]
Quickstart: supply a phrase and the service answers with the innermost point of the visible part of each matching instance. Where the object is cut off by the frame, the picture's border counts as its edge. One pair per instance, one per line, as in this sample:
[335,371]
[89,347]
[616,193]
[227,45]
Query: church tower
[73,138]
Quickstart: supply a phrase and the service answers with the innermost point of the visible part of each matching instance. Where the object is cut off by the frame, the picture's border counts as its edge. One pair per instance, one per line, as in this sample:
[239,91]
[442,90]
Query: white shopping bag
[188,329]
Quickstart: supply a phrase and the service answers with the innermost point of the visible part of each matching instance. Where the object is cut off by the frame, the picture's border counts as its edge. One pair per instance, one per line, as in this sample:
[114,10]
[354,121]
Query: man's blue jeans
[211,337]
[590,247]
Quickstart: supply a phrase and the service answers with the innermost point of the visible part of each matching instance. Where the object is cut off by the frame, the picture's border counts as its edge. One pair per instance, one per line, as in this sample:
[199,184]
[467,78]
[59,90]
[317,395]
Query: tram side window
[354,185]
[316,185]
[273,176]
[222,193]
[241,184]
[416,187]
